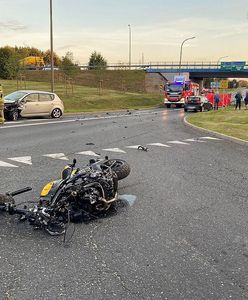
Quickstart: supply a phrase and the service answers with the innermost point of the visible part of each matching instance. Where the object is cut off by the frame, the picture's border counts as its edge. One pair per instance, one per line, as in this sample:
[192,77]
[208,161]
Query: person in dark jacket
[238,98]
[216,101]
[246,100]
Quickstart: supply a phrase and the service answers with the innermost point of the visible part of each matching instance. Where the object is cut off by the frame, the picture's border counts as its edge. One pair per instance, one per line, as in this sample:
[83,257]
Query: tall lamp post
[181,52]
[130,46]
[51,46]
[220,58]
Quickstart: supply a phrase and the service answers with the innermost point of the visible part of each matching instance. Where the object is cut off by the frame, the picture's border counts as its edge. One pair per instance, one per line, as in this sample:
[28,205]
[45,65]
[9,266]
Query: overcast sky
[158,28]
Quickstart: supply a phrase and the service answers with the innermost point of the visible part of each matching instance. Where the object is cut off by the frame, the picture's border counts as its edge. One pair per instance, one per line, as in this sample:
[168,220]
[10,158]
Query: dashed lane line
[159,145]
[89,153]
[133,147]
[60,156]
[28,159]
[194,140]
[117,150]
[7,165]
[177,143]
[22,159]
[210,138]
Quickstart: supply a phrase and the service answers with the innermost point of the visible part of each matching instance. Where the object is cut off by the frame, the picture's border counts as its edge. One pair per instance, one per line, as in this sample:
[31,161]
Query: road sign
[224,84]
[232,65]
[215,85]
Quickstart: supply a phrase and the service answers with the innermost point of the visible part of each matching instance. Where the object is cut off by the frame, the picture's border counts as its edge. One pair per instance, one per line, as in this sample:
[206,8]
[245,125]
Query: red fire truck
[176,92]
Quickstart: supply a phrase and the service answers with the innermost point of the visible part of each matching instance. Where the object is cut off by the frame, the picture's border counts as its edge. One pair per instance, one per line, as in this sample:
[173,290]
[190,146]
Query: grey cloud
[12,25]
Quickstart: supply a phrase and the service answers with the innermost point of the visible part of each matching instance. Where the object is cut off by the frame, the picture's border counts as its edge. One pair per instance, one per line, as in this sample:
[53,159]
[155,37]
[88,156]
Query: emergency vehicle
[177,92]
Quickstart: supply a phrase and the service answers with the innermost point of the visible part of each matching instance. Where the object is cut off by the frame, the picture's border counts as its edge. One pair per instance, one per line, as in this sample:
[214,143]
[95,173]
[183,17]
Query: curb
[217,134]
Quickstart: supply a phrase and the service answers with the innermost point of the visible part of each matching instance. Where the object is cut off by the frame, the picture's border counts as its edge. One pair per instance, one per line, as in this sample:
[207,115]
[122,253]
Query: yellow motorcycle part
[47,188]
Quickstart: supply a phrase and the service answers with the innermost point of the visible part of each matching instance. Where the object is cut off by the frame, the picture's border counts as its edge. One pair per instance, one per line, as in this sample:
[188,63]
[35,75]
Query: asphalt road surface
[185,236]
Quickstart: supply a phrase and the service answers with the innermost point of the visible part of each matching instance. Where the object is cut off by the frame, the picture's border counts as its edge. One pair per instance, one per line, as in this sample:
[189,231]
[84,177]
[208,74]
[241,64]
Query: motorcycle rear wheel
[120,167]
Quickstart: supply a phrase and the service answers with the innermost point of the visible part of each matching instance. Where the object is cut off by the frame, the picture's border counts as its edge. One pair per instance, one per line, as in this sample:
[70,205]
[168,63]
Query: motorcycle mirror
[66,173]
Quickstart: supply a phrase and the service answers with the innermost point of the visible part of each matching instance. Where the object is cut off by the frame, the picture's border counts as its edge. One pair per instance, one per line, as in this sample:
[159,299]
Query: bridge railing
[163,65]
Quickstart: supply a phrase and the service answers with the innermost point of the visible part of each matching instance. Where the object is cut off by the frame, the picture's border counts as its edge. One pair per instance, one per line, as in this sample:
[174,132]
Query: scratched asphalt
[185,237]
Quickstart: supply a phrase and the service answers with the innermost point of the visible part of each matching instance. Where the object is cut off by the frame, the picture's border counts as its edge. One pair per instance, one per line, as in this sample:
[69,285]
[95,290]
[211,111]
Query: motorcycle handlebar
[18,192]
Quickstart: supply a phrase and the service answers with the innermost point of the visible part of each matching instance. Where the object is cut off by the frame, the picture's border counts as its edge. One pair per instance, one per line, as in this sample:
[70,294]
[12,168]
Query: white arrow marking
[210,138]
[7,165]
[114,150]
[159,145]
[23,159]
[178,143]
[90,153]
[57,156]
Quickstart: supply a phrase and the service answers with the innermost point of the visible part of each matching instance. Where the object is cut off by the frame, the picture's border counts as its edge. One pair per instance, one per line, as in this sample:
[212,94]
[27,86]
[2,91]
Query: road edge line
[217,134]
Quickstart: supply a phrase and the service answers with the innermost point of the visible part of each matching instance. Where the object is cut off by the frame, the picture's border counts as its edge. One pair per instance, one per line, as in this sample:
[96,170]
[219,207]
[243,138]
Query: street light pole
[181,52]
[221,59]
[130,46]
[51,46]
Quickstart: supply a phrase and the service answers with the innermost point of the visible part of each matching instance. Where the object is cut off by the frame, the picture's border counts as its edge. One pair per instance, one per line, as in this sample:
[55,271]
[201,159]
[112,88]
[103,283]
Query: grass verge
[227,121]
[88,99]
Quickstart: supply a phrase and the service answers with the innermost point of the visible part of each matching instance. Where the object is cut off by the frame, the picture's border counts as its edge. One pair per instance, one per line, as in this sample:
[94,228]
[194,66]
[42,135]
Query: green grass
[88,99]
[227,121]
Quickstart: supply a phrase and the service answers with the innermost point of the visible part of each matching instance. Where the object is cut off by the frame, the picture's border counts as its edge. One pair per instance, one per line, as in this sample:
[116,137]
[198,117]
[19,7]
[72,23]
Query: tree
[9,63]
[97,61]
[67,65]
[47,58]
[243,83]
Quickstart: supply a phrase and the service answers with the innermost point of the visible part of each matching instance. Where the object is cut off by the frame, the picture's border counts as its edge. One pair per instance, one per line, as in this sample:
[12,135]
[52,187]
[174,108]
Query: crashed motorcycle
[80,195]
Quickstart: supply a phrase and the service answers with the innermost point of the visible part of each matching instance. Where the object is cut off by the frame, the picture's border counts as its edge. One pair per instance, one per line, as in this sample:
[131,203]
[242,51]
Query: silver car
[26,103]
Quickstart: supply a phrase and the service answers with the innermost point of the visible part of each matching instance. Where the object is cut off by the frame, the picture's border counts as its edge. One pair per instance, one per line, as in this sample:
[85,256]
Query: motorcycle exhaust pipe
[106,203]
[111,200]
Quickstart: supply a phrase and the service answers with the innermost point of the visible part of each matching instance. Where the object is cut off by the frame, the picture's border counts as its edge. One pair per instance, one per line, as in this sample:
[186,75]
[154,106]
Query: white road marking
[77,119]
[210,138]
[118,150]
[14,122]
[159,145]
[90,153]
[23,159]
[57,156]
[178,143]
[7,165]
[194,140]
[133,147]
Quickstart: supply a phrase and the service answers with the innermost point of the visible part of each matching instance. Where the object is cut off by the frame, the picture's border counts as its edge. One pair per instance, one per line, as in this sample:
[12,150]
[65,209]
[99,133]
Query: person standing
[238,98]
[246,100]
[216,101]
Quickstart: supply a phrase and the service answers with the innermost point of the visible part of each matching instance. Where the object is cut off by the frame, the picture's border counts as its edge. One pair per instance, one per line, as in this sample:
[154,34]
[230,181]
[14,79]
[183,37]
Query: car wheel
[56,113]
[13,116]
[185,109]
[168,105]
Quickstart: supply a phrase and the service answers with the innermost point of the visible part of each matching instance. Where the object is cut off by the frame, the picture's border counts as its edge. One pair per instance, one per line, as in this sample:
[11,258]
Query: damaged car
[26,103]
